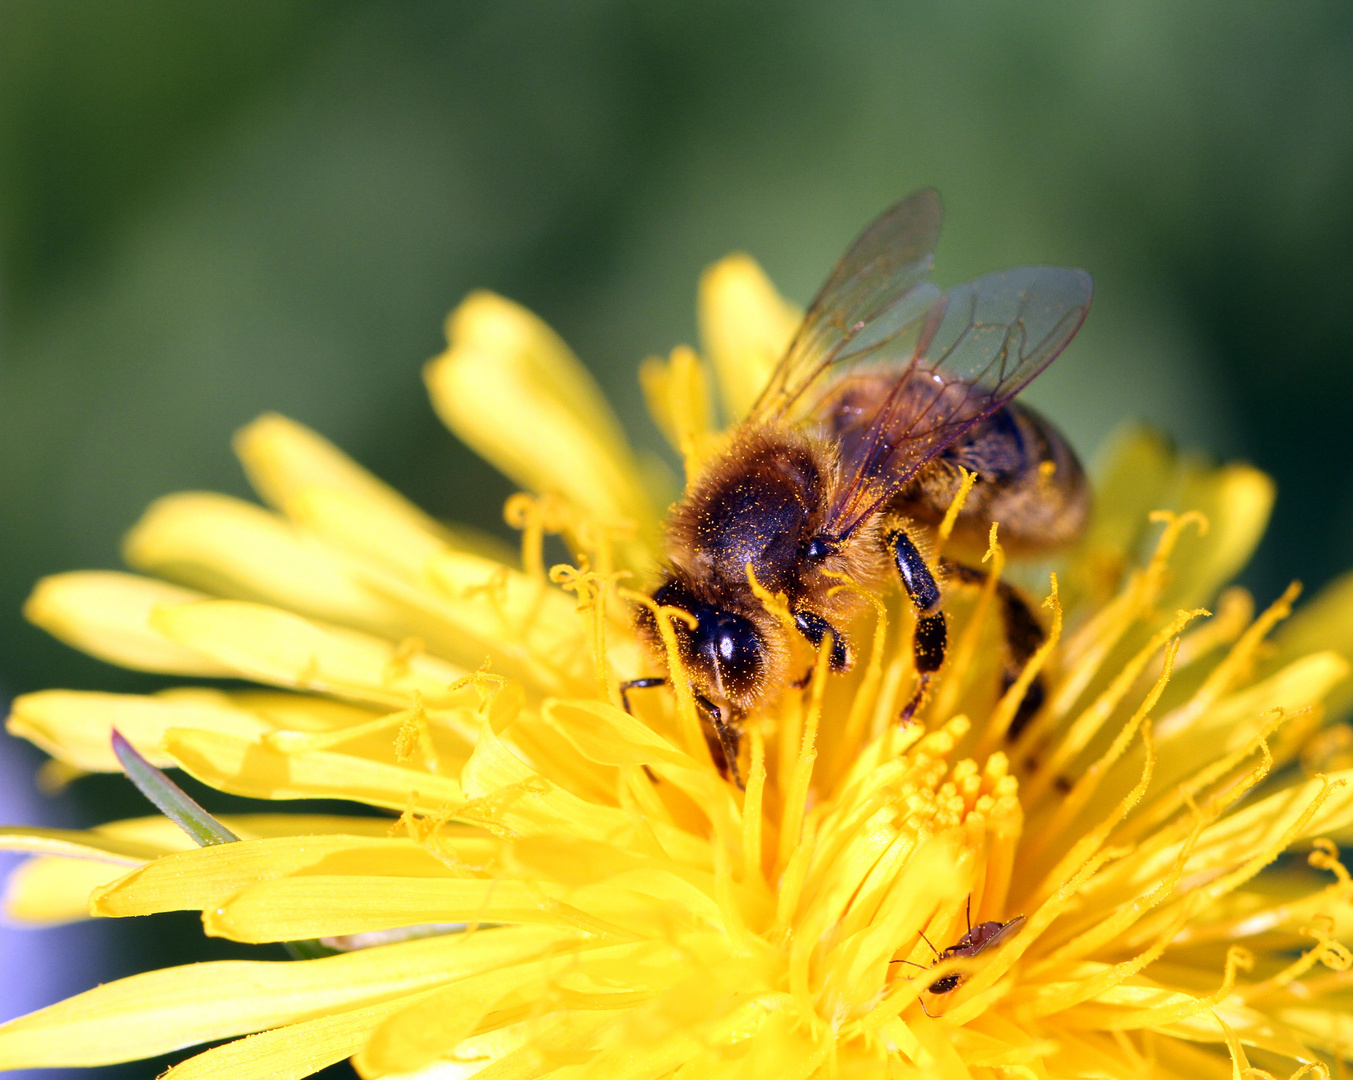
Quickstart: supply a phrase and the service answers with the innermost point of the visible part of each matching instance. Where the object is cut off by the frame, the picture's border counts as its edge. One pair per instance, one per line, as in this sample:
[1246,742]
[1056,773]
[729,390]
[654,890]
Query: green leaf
[175,803]
[185,812]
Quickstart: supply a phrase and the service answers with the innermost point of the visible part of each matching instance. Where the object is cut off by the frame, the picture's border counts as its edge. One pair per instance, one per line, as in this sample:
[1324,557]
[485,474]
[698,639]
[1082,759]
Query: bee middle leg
[931,637]
[1023,637]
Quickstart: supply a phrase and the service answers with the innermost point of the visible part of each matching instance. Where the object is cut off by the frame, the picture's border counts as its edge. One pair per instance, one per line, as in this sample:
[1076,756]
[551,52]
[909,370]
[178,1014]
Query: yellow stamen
[1074,801]
[751,807]
[955,508]
[1004,713]
[796,792]
[688,720]
[959,666]
[1088,724]
[1230,671]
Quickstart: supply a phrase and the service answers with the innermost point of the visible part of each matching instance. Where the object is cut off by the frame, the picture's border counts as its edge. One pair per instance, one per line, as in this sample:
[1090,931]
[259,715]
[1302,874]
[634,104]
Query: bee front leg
[814,627]
[931,637]
[638,684]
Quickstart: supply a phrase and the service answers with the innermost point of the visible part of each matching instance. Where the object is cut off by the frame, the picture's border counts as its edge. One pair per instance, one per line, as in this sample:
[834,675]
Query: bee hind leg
[931,637]
[1023,637]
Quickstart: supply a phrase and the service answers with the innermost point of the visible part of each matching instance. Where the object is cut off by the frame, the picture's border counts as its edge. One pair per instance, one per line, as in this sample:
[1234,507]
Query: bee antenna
[967,913]
[932,947]
[913,963]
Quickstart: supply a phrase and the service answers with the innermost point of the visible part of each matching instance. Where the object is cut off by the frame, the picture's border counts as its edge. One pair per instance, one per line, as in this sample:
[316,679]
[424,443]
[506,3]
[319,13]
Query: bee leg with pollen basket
[931,637]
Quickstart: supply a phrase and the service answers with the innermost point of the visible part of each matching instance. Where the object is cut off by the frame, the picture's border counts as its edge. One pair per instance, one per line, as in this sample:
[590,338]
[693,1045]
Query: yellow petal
[544,808]
[515,393]
[677,394]
[528,624]
[271,646]
[284,459]
[745,327]
[158,1011]
[261,771]
[464,605]
[1238,836]
[1141,473]
[76,726]
[231,548]
[204,877]
[49,890]
[290,1052]
[1237,719]
[1131,479]
[1325,622]
[55,887]
[1329,1029]
[347,520]
[605,734]
[421,1032]
[282,710]
[107,615]
[1237,501]
[74,844]
[320,905]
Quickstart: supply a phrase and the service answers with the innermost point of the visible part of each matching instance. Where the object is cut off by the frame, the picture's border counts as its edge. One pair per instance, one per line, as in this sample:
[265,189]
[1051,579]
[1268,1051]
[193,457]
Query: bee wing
[950,366]
[876,291]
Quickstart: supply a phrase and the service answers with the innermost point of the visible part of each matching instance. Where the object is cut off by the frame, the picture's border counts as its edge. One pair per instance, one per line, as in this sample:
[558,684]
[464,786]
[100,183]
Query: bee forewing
[976,348]
[877,290]
[1001,330]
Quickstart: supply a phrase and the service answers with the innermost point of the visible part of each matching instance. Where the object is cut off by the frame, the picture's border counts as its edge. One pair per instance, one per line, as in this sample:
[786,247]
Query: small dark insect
[850,458]
[978,939]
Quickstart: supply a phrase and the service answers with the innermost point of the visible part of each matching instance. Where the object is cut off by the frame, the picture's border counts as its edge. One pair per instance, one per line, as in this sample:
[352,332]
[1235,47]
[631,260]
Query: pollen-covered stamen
[865,698]
[1085,651]
[592,589]
[908,843]
[688,720]
[536,517]
[1006,709]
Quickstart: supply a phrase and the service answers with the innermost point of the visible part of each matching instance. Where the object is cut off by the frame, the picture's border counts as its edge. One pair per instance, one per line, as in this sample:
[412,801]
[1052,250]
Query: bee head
[724,653]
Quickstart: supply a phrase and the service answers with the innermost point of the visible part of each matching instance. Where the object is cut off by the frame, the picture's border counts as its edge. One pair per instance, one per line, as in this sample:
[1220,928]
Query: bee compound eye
[734,647]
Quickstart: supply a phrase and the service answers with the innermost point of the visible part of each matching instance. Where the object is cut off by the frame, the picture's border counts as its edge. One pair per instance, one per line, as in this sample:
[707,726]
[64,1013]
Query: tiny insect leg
[1023,637]
[931,636]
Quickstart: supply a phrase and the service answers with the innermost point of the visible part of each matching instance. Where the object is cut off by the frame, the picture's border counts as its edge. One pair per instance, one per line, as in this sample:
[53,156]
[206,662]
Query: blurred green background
[212,209]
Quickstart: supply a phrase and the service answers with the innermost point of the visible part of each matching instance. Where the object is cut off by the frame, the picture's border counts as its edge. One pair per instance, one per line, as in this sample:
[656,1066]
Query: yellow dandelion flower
[1141,882]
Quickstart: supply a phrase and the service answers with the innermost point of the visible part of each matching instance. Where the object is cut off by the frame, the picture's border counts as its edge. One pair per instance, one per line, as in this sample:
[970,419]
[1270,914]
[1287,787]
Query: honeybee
[851,456]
